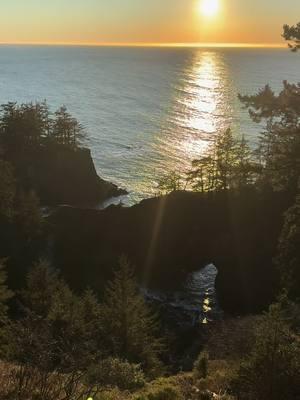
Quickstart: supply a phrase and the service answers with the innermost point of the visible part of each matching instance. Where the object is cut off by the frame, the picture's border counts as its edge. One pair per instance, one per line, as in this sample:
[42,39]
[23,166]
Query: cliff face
[169,236]
[61,175]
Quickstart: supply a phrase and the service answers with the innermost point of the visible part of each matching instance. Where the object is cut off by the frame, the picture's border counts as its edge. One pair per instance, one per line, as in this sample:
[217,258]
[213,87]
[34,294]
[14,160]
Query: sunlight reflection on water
[195,302]
[200,108]
[202,102]
[149,111]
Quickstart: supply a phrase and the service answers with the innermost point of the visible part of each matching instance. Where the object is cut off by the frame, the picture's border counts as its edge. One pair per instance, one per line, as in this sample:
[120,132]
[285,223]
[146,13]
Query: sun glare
[209,8]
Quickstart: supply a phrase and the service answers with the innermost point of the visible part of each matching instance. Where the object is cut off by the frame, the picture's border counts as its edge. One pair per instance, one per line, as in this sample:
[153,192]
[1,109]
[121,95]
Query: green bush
[112,394]
[272,370]
[165,393]
[201,365]
[113,372]
[161,389]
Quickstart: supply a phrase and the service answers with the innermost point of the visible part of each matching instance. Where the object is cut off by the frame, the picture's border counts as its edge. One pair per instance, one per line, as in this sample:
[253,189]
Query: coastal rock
[167,237]
[63,175]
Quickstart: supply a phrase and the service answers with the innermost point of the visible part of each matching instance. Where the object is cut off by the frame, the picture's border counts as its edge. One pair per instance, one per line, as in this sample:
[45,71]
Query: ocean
[146,111]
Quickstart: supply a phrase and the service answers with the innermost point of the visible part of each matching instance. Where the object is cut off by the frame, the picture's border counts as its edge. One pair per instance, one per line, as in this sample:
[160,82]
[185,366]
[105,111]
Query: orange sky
[141,21]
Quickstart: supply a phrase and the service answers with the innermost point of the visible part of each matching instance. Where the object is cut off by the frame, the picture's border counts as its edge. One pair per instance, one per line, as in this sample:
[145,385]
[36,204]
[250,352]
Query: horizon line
[148,44]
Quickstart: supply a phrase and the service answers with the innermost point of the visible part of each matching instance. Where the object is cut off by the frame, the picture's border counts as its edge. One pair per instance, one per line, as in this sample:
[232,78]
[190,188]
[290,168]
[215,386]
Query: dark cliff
[62,175]
[169,236]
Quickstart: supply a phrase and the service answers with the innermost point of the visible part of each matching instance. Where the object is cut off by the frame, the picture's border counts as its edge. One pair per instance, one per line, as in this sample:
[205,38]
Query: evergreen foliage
[66,130]
[113,372]
[54,342]
[170,183]
[130,328]
[228,164]
[31,125]
[61,342]
[272,370]
[201,365]
[279,149]
[292,34]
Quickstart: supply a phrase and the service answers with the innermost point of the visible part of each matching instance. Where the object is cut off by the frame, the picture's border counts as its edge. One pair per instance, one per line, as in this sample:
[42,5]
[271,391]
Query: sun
[209,8]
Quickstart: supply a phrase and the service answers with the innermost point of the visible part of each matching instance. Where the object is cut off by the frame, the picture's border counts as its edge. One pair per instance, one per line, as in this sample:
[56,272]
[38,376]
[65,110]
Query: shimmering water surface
[192,304]
[147,111]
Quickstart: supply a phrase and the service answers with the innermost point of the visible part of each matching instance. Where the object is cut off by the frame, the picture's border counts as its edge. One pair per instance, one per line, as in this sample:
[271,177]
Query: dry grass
[186,385]
[25,383]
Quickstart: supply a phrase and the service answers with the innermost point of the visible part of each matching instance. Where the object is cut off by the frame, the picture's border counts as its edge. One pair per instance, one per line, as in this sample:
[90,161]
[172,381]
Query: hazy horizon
[139,22]
[150,44]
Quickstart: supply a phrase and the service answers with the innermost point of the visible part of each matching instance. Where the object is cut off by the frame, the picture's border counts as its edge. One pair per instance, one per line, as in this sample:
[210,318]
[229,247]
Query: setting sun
[209,8]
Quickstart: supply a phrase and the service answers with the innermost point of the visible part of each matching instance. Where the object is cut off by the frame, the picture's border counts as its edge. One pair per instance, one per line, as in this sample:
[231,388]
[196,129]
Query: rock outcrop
[167,237]
[62,175]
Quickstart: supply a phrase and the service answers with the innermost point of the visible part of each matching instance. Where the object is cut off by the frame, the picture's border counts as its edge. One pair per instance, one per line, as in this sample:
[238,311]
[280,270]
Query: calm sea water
[147,111]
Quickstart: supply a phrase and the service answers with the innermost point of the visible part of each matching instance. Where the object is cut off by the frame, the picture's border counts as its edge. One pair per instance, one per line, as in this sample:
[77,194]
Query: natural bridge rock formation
[169,236]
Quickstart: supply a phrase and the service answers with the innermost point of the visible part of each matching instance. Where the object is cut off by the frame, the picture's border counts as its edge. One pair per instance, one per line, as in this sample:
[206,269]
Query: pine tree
[57,337]
[243,168]
[130,328]
[227,164]
[280,142]
[23,126]
[41,285]
[272,370]
[292,34]
[169,183]
[226,159]
[66,129]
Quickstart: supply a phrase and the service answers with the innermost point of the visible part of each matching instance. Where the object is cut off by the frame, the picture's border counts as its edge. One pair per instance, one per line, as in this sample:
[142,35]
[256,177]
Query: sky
[144,21]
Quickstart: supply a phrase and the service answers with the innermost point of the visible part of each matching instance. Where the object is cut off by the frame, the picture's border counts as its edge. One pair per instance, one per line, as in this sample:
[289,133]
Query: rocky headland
[167,237]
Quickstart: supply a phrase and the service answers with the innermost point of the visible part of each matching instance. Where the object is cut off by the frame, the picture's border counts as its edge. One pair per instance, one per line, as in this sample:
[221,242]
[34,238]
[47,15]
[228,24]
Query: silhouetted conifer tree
[130,328]
[228,164]
[56,340]
[292,34]
[66,129]
[280,142]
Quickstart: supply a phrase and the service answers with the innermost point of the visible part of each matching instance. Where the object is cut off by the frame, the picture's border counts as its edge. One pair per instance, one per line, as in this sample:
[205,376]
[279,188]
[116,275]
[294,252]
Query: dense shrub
[201,365]
[166,392]
[113,372]
[232,338]
[272,371]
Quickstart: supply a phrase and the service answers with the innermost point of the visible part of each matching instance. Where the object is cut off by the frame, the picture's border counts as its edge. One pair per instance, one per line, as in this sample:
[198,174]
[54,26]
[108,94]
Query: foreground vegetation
[66,346]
